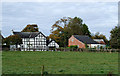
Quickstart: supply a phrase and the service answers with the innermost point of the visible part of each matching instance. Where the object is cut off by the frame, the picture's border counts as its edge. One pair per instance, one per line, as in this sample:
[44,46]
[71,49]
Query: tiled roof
[27,34]
[85,39]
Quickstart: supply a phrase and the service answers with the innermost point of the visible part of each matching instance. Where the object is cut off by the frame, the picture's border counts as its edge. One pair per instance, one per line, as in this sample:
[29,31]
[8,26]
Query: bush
[74,46]
[86,46]
[5,48]
[101,47]
[68,47]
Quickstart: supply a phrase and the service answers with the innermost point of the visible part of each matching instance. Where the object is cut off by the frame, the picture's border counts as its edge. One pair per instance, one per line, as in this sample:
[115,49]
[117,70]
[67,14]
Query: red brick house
[81,41]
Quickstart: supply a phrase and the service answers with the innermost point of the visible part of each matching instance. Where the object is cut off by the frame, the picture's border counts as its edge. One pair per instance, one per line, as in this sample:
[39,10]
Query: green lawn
[59,62]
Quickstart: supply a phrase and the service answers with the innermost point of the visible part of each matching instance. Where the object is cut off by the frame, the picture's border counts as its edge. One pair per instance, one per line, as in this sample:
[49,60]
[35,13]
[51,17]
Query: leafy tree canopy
[77,27]
[12,40]
[64,28]
[31,28]
[115,37]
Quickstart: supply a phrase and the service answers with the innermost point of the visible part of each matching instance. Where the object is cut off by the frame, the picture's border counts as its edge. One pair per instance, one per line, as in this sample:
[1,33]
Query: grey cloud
[94,14]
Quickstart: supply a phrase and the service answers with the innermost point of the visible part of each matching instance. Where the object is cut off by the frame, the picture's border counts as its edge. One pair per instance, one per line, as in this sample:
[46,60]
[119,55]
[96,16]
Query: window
[36,39]
[39,39]
[22,46]
[27,39]
[29,45]
[72,40]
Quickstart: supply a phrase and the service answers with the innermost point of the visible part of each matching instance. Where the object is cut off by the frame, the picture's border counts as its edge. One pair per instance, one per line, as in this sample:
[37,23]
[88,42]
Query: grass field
[59,62]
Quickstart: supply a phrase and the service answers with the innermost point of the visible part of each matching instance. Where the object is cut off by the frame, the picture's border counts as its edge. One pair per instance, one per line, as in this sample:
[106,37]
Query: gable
[53,44]
[41,35]
[74,40]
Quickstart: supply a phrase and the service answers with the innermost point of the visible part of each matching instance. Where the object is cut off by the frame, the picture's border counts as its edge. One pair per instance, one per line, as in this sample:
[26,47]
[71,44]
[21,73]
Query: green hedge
[73,46]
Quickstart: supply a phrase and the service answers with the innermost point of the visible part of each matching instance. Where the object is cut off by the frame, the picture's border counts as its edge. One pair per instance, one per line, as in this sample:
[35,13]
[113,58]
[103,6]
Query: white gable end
[53,44]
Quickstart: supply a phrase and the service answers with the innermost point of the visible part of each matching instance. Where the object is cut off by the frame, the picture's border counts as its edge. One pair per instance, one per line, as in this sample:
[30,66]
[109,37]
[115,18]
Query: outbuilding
[82,40]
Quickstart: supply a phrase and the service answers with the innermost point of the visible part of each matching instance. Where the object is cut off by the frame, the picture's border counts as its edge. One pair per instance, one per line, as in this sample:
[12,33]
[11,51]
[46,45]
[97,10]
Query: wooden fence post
[110,50]
[42,70]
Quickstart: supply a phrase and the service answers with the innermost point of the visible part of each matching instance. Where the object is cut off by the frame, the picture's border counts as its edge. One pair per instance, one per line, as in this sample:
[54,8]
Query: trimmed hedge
[73,46]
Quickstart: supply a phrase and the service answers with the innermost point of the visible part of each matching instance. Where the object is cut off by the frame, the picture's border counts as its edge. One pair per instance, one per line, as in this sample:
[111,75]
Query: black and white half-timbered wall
[34,41]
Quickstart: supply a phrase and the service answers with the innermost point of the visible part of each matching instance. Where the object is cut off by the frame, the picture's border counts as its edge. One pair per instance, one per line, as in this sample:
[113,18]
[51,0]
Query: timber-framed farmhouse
[34,41]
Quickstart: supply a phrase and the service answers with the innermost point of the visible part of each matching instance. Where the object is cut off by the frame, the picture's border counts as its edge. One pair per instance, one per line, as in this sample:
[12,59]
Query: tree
[1,39]
[13,40]
[115,37]
[58,33]
[76,27]
[97,35]
[64,28]
[30,28]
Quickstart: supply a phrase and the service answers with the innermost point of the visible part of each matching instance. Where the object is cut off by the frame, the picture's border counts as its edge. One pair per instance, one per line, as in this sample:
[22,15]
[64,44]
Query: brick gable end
[74,41]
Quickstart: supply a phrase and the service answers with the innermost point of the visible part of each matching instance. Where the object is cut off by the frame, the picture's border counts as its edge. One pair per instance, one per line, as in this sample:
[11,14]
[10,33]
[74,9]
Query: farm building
[34,41]
[81,41]
[101,42]
[52,44]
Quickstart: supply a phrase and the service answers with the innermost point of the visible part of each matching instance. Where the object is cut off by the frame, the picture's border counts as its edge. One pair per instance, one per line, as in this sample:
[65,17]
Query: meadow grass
[16,62]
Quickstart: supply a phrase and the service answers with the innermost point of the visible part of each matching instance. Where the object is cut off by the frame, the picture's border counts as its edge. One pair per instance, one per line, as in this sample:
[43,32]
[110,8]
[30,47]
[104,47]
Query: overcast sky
[99,16]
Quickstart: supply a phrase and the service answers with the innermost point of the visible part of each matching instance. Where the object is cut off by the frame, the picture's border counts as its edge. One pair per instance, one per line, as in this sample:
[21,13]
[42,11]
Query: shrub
[86,46]
[68,47]
[5,48]
[101,47]
[73,46]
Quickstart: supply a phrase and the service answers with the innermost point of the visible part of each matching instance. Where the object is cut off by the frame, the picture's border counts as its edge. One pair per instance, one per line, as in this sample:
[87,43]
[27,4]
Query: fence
[86,50]
[6,48]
